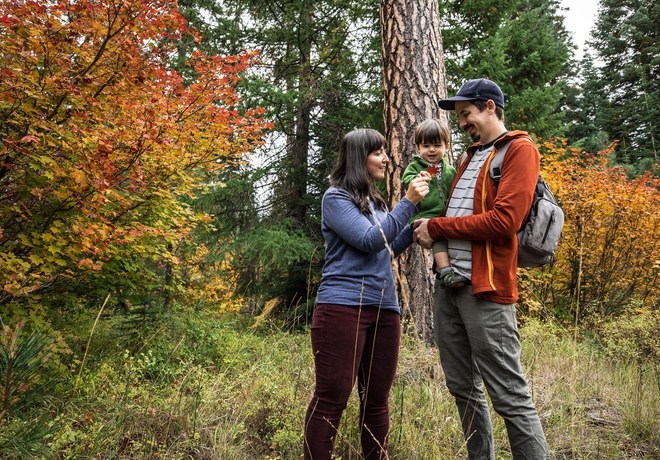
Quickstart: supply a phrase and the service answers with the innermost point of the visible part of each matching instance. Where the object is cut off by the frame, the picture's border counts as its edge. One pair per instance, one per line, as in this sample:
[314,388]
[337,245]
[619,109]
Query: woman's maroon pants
[349,343]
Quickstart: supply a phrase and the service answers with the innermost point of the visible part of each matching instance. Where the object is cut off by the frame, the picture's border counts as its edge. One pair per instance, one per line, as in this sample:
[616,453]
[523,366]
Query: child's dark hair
[432,131]
[350,172]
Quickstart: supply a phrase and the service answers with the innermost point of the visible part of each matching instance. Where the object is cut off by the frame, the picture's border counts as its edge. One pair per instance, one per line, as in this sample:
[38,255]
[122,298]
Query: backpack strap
[495,168]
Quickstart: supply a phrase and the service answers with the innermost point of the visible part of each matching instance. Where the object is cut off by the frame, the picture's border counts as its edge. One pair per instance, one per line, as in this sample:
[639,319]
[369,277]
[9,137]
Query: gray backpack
[540,232]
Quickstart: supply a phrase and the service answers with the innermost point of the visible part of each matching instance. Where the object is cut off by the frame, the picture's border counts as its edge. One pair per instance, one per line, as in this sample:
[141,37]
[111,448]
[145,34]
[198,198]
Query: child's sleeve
[409,174]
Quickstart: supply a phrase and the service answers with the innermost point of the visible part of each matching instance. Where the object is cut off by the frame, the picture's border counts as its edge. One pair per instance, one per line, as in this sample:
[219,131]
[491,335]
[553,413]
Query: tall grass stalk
[574,366]
[89,340]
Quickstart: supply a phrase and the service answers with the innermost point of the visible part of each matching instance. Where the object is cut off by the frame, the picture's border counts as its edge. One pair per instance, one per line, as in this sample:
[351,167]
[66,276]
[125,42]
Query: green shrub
[633,335]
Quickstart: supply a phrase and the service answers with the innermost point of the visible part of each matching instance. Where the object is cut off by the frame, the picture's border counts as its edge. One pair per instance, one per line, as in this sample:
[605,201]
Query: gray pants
[479,343]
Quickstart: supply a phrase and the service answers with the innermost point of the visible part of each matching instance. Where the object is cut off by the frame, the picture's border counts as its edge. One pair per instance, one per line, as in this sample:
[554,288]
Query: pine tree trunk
[413,80]
[298,151]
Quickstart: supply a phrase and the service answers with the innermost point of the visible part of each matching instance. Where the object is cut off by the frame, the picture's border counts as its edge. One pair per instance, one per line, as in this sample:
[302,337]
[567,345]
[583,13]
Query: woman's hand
[418,187]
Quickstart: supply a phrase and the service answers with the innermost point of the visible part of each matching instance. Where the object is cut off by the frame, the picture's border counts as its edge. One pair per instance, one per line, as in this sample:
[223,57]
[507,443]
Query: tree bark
[413,80]
[299,153]
[298,149]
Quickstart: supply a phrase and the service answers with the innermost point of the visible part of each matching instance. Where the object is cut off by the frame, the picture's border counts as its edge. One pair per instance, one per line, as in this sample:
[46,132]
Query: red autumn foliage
[101,139]
[608,258]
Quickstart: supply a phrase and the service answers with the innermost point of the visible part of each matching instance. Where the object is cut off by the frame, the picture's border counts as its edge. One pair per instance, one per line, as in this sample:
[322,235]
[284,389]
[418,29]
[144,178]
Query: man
[475,325]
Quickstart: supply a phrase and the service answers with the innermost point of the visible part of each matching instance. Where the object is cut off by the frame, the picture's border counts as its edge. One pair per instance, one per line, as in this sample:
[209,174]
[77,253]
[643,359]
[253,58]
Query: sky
[580,19]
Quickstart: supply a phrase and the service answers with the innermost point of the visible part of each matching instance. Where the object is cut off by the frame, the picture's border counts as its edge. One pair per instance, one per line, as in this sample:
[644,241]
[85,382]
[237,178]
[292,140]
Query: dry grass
[225,391]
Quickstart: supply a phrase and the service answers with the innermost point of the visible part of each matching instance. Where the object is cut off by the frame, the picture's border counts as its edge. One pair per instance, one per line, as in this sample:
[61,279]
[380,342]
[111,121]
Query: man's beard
[476,136]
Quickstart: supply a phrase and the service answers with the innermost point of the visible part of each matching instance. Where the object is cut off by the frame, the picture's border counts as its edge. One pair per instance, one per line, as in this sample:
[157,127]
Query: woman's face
[376,162]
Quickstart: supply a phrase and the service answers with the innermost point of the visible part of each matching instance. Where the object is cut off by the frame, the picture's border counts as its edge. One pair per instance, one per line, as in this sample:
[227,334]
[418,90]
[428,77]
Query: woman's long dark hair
[350,172]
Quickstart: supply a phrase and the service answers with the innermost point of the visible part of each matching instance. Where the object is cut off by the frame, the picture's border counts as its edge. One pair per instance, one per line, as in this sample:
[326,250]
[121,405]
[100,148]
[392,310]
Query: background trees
[521,44]
[318,77]
[101,144]
[626,44]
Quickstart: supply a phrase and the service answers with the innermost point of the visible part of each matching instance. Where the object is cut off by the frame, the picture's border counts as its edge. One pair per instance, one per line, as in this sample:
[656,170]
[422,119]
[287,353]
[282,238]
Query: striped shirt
[461,204]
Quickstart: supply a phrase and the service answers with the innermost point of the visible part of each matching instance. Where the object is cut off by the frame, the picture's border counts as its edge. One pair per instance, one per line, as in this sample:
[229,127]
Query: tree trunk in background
[298,148]
[297,158]
[413,80]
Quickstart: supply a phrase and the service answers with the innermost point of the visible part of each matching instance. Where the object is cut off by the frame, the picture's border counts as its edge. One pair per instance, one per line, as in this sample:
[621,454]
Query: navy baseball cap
[480,89]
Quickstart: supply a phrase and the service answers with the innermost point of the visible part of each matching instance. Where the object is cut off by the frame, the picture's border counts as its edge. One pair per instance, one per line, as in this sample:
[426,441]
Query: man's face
[471,119]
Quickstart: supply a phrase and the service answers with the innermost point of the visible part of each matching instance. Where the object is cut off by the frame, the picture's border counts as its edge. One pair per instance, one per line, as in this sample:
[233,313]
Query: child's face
[432,153]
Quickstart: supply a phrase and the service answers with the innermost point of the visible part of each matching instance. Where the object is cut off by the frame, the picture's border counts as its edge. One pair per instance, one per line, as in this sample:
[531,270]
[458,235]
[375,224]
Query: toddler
[432,140]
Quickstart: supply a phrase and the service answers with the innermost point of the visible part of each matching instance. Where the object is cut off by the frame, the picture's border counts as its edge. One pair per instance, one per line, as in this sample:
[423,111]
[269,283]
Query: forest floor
[208,386]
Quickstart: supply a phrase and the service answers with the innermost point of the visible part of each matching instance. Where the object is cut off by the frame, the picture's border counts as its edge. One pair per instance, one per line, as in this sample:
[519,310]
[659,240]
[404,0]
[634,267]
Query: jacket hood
[416,157]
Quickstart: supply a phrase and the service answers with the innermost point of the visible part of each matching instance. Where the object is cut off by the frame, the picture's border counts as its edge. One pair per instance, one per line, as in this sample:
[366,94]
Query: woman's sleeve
[344,218]
[402,241]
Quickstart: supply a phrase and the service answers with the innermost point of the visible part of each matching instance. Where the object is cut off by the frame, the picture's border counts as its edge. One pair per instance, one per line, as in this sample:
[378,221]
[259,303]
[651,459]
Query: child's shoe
[440,278]
[450,279]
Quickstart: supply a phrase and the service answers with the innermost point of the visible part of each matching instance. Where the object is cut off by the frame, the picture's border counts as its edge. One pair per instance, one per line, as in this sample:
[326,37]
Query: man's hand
[421,234]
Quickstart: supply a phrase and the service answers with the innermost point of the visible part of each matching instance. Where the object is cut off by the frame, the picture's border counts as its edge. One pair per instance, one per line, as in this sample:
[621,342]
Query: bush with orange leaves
[609,256]
[211,282]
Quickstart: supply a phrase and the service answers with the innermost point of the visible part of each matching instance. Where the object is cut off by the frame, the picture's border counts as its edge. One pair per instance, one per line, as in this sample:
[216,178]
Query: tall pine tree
[413,74]
[626,42]
[585,101]
[522,45]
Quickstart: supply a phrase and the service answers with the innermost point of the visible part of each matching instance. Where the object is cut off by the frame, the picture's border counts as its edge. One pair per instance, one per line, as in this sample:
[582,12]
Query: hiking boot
[439,279]
[450,279]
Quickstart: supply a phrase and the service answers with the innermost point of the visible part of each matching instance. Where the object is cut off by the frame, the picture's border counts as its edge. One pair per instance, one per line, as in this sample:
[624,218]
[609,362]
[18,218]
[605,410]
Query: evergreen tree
[520,44]
[626,42]
[585,102]
[538,50]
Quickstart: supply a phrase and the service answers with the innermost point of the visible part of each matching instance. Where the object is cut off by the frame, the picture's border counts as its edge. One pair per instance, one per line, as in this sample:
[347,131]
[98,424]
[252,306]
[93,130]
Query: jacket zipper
[547,228]
[489,250]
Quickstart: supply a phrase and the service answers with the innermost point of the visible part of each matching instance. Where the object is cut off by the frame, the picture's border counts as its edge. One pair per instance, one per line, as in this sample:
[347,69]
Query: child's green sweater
[433,204]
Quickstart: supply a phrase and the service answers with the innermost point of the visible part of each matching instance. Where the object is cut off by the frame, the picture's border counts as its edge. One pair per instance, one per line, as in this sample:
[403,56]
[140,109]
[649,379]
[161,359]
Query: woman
[356,325]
